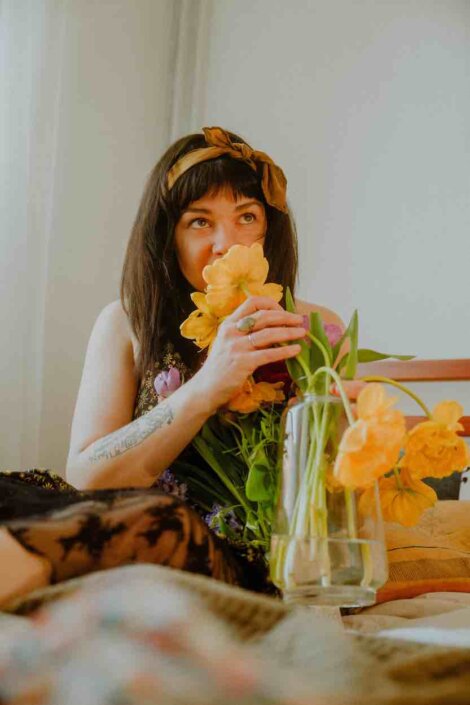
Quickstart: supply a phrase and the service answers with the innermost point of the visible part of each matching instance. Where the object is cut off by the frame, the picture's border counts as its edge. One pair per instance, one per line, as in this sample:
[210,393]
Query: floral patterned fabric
[147,397]
[104,529]
[85,531]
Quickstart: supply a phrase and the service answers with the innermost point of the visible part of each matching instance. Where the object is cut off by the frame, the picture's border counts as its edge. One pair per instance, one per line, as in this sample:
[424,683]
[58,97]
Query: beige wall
[366,105]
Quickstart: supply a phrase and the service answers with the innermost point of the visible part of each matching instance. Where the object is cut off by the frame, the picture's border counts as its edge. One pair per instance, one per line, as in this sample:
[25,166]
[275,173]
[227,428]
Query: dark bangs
[210,178]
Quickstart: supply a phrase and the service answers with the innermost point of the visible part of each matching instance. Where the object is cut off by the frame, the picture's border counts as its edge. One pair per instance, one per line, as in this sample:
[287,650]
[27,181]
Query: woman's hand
[239,350]
[352,388]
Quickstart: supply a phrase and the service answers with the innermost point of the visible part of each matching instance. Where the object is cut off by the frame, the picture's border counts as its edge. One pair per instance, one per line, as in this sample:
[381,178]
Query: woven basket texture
[358,668]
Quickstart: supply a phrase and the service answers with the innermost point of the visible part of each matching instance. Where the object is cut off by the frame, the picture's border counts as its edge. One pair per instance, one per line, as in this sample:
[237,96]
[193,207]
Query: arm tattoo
[129,436]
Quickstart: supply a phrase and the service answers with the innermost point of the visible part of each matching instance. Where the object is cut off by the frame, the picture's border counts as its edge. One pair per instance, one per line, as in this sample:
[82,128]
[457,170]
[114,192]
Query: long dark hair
[154,292]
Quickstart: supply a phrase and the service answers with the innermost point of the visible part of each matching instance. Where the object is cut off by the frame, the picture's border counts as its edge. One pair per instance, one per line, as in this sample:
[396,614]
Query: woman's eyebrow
[237,208]
[246,204]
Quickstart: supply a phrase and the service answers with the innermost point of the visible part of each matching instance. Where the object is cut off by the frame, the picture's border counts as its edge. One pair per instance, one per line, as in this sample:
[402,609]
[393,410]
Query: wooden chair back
[457,370]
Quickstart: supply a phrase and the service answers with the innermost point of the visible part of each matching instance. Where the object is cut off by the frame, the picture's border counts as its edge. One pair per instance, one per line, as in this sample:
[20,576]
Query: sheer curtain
[91,93]
[31,36]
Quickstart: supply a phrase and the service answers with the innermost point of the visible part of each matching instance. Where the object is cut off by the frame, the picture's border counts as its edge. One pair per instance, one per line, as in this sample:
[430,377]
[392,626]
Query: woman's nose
[224,238]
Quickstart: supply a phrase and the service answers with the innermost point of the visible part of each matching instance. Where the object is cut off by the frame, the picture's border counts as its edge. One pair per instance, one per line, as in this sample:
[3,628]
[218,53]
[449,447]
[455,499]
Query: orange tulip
[402,499]
[370,447]
[432,448]
[253,394]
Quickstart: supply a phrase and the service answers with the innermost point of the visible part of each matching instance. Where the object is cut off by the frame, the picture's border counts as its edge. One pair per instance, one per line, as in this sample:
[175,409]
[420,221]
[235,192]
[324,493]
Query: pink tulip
[167,382]
[333,332]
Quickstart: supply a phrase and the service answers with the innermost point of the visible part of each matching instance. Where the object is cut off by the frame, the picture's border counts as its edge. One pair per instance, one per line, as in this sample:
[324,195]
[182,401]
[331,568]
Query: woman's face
[210,226]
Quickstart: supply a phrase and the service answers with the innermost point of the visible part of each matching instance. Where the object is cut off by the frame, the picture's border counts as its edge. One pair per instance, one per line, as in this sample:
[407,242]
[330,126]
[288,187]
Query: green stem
[338,380]
[322,348]
[348,497]
[202,447]
[312,474]
[387,380]
[304,368]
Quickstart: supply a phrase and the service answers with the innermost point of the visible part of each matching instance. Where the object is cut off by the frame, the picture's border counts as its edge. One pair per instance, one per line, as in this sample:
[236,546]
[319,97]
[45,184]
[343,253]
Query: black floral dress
[84,531]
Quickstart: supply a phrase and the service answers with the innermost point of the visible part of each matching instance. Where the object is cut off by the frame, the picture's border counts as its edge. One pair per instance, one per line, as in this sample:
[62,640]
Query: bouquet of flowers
[238,481]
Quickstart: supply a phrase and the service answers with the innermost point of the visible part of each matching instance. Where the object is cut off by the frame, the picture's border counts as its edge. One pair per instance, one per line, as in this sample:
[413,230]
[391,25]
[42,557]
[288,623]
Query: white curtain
[31,33]
[91,93]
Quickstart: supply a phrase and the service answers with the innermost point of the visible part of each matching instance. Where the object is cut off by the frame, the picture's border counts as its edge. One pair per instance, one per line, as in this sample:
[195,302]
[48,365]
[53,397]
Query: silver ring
[251,341]
[246,325]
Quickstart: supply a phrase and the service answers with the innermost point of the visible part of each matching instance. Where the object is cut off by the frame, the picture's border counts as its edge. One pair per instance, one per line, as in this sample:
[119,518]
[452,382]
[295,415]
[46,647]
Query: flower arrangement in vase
[301,477]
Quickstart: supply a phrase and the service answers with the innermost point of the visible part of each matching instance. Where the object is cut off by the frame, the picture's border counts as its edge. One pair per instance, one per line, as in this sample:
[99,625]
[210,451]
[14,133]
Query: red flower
[275,372]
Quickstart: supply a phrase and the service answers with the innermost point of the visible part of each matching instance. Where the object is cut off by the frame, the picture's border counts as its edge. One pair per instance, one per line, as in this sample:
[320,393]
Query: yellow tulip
[432,448]
[235,276]
[202,324]
[370,447]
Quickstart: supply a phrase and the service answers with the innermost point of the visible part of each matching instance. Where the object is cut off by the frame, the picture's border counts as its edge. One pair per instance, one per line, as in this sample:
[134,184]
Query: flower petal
[200,300]
[448,413]
[373,400]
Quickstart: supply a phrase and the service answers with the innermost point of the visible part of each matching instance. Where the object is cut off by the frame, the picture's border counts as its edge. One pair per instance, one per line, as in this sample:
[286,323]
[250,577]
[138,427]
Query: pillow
[433,556]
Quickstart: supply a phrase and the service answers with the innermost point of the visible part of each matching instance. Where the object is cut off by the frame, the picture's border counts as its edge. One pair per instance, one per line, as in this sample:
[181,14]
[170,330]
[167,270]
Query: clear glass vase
[324,551]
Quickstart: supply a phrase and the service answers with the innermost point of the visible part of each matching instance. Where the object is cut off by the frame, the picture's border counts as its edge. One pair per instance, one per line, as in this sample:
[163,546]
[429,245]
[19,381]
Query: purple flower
[213,519]
[167,382]
[333,332]
[168,483]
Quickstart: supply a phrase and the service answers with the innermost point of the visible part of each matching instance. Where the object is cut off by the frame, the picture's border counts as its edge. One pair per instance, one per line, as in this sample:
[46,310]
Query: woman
[208,192]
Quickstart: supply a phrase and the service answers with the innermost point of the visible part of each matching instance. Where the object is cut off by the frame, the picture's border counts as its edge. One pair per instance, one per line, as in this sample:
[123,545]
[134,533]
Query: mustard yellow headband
[273,181]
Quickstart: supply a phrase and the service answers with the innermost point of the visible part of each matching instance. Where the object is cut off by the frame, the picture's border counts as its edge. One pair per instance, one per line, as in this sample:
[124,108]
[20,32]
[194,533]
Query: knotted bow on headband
[273,181]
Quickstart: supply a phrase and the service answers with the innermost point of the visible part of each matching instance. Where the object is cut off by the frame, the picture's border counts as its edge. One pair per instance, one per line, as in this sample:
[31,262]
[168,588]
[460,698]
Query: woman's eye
[198,221]
[251,217]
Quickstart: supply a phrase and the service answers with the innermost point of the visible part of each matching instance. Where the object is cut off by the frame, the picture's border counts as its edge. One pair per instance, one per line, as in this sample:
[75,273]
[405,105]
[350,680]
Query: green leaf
[255,488]
[293,366]
[365,355]
[297,374]
[317,358]
[347,334]
[290,303]
[353,332]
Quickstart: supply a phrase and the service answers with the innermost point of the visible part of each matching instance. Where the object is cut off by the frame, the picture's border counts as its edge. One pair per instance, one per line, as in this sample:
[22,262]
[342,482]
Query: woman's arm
[108,448]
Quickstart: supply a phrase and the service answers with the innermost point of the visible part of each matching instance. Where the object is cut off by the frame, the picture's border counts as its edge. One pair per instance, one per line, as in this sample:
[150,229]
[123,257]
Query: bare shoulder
[114,319]
[327,315]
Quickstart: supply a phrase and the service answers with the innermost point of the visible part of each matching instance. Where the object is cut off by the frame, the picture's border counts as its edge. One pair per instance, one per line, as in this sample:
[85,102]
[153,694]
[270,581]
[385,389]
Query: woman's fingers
[270,336]
[264,357]
[352,388]
[253,304]
[266,319]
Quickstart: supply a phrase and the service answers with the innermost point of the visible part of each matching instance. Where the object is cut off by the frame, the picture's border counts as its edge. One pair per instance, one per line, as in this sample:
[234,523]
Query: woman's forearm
[136,454]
